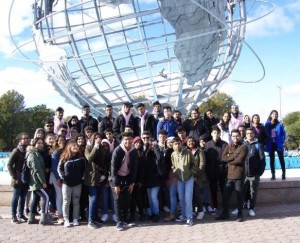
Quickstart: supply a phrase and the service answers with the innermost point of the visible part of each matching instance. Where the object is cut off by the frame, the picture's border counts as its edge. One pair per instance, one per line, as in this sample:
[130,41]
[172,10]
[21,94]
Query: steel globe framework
[111,51]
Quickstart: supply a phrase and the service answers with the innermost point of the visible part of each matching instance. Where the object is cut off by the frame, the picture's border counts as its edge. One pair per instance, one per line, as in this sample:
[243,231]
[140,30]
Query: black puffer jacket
[255,162]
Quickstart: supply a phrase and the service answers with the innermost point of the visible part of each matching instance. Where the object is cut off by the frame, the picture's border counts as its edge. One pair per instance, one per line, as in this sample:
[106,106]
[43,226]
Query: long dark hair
[224,126]
[270,118]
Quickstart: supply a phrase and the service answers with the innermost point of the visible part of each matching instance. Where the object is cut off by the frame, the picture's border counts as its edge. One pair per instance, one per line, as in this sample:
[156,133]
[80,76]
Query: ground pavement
[277,223]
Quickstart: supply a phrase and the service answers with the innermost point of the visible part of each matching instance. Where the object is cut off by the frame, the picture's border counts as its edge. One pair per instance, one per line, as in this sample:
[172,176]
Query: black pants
[231,185]
[214,182]
[272,159]
[138,199]
[122,201]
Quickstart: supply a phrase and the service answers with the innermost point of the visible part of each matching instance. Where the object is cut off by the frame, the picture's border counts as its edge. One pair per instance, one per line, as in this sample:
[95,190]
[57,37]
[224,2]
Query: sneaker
[22,218]
[213,211]
[119,226]
[246,205]
[170,217]
[209,209]
[251,213]
[166,209]
[204,209]
[200,215]
[235,212]
[240,219]
[60,221]
[180,219]
[92,225]
[98,222]
[114,218]
[283,176]
[67,223]
[189,223]
[15,220]
[104,217]
[273,178]
[75,222]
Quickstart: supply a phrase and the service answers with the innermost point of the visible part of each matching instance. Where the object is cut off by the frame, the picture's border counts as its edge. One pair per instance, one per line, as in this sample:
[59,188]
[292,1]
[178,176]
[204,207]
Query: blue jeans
[93,202]
[153,200]
[185,194]
[107,198]
[18,200]
[173,198]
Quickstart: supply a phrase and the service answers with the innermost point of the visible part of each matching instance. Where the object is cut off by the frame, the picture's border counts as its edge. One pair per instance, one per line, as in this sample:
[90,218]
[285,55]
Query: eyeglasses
[146,137]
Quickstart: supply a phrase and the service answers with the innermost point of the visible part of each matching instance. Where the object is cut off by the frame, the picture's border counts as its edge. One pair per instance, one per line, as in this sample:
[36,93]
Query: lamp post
[280,88]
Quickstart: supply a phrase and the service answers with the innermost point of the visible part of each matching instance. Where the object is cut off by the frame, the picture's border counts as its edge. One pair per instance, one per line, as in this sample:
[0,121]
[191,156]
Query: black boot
[273,178]
[283,176]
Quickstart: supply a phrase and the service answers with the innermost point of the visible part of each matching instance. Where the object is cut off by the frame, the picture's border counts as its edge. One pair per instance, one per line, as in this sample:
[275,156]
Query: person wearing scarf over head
[125,118]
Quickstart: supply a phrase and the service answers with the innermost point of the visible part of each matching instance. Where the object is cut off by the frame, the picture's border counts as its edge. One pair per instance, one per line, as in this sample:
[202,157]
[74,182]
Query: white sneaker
[209,209]
[104,217]
[251,213]
[114,218]
[67,223]
[166,209]
[235,212]
[200,215]
[204,209]
[75,222]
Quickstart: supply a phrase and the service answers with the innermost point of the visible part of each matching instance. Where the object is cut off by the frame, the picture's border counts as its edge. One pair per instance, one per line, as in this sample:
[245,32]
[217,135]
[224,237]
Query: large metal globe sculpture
[110,51]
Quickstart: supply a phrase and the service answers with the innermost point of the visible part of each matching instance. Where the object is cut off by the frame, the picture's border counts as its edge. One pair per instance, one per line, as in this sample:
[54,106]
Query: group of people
[138,165]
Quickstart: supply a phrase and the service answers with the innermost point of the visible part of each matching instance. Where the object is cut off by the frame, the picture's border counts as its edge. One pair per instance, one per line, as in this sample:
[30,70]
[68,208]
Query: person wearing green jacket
[183,165]
[37,183]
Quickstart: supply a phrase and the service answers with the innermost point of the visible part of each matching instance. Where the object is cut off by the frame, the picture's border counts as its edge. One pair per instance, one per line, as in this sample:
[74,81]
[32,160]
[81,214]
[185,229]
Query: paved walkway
[278,223]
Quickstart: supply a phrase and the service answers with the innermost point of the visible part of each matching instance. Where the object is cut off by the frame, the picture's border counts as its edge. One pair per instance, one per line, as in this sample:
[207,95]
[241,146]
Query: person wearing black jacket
[15,167]
[216,170]
[153,175]
[123,177]
[210,121]
[255,164]
[71,170]
[87,120]
[146,121]
[107,121]
[126,118]
[259,130]
[195,126]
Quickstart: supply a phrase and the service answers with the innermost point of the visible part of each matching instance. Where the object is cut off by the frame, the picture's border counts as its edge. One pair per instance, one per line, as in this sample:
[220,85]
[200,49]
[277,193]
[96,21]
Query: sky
[275,39]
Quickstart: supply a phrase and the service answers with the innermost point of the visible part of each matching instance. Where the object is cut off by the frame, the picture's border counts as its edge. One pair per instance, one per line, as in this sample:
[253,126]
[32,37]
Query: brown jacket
[234,156]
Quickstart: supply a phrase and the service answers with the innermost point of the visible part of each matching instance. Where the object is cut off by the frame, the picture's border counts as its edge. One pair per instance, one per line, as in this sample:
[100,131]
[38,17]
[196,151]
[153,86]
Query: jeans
[58,197]
[272,159]
[122,201]
[107,198]
[18,200]
[71,193]
[250,189]
[185,193]
[45,200]
[93,202]
[231,185]
[173,198]
[153,200]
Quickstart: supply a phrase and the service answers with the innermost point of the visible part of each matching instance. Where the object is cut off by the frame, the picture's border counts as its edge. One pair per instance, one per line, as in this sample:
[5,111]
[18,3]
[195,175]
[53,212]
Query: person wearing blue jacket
[276,133]
[167,123]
